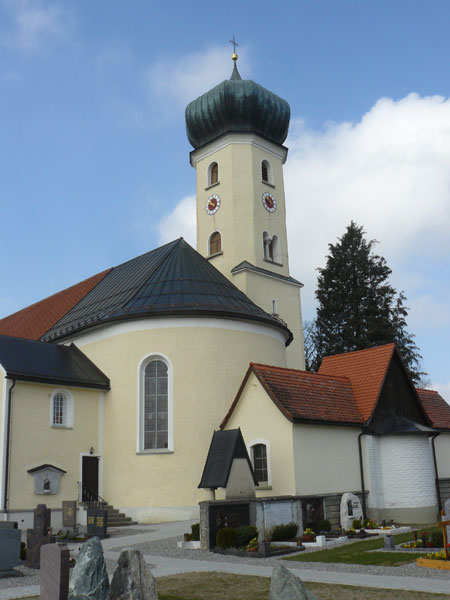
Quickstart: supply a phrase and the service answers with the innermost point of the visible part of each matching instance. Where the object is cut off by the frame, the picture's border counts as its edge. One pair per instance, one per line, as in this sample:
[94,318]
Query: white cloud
[34,24]
[180,222]
[174,83]
[388,172]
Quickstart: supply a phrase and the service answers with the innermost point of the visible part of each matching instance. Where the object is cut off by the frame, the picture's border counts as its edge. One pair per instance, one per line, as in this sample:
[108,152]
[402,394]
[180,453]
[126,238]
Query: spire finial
[234,55]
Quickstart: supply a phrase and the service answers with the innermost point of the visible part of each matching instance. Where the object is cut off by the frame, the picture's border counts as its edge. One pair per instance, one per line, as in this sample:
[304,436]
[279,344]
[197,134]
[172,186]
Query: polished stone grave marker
[55,560]
[38,536]
[69,513]
[9,549]
[97,522]
[8,524]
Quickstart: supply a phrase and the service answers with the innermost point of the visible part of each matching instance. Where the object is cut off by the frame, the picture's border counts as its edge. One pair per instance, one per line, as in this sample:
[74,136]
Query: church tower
[237,130]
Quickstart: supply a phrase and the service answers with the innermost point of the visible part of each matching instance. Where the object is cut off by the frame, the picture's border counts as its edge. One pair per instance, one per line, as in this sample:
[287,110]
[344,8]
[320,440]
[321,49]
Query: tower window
[215,243]
[266,171]
[259,455]
[272,250]
[213,173]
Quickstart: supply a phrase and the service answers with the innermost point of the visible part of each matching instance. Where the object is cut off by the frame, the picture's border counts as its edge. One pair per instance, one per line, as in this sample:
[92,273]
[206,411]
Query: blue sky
[94,162]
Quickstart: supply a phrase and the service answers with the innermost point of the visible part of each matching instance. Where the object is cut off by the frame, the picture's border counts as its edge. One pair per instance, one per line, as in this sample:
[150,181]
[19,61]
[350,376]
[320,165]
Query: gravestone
[97,522]
[8,524]
[9,549]
[284,585]
[132,579]
[389,542]
[55,560]
[69,513]
[38,536]
[350,510]
[89,579]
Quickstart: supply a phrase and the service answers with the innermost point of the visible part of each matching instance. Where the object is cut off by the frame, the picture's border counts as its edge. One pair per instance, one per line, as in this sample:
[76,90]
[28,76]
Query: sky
[94,159]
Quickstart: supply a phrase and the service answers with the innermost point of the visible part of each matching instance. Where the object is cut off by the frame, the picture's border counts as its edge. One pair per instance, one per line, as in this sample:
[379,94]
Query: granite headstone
[55,559]
[69,513]
[132,579]
[97,522]
[8,524]
[89,579]
[9,549]
[38,536]
[350,510]
[284,585]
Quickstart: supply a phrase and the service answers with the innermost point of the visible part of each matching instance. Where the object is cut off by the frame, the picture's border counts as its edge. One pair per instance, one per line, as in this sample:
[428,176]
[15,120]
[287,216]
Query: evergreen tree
[357,306]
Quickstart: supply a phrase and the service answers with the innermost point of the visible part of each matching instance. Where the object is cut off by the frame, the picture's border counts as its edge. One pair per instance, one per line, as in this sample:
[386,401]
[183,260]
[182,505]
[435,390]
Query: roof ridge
[304,371]
[352,352]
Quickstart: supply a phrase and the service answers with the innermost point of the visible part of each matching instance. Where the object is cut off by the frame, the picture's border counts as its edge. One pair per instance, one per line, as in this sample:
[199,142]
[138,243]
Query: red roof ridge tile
[353,352]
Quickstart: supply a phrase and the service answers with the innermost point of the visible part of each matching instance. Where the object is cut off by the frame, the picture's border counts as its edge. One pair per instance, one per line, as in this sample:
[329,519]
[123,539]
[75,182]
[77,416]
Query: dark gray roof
[30,360]
[225,447]
[246,266]
[399,425]
[46,466]
[169,281]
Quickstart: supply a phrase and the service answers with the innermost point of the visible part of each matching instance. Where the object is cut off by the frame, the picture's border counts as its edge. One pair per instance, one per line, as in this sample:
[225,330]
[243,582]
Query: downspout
[8,436]
[361,471]
[436,475]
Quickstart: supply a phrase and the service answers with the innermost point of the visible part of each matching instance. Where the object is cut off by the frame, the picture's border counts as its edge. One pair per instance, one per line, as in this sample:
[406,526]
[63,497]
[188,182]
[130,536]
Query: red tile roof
[33,321]
[436,407]
[366,369]
[305,396]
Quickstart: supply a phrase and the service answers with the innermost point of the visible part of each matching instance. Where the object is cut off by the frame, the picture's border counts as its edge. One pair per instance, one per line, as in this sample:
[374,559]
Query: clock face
[212,204]
[269,202]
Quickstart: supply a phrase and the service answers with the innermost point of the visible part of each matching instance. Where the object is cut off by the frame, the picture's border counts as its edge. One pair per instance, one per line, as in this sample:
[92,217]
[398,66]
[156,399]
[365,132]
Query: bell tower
[237,130]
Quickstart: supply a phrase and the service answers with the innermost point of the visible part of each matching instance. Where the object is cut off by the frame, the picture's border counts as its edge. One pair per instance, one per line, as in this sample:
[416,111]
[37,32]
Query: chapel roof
[303,396]
[436,407]
[366,369]
[172,280]
[237,105]
[30,360]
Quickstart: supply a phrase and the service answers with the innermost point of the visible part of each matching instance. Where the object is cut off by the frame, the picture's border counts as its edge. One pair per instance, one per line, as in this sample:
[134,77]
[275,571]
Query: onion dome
[237,105]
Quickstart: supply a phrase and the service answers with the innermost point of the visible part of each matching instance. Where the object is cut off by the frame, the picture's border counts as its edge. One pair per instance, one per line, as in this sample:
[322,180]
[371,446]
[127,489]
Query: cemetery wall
[261,421]
[326,459]
[207,360]
[34,441]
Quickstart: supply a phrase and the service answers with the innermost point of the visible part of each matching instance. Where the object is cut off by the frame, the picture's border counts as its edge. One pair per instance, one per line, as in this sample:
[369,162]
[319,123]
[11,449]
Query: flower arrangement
[437,555]
[372,524]
[308,531]
[252,546]
[415,544]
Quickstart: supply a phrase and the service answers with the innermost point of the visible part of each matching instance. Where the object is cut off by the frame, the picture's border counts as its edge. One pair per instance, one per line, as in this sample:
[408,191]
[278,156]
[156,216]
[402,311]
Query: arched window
[272,248]
[259,460]
[266,171]
[276,249]
[61,409]
[213,173]
[215,243]
[156,426]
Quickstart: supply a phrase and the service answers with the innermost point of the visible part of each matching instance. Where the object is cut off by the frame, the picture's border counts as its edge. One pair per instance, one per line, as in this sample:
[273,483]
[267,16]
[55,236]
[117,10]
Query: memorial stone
[389,542]
[38,536]
[285,585]
[350,510]
[9,549]
[42,518]
[447,515]
[55,559]
[89,579]
[132,579]
[69,513]
[8,524]
[97,522]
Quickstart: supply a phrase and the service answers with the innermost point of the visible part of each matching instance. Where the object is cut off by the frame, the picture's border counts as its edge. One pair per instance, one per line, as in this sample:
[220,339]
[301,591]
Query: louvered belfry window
[215,243]
[214,173]
[264,171]
[59,409]
[260,462]
[156,418]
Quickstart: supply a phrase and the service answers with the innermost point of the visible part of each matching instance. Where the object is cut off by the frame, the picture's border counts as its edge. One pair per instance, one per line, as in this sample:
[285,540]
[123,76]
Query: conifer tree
[357,306]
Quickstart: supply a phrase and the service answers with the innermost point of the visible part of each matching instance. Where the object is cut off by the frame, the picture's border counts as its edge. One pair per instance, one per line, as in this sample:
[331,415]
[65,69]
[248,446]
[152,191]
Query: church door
[89,479]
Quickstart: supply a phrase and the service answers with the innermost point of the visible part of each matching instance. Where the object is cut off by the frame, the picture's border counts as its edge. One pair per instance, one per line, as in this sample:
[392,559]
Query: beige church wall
[263,290]
[241,218]
[326,459]
[442,447]
[261,421]
[35,442]
[209,358]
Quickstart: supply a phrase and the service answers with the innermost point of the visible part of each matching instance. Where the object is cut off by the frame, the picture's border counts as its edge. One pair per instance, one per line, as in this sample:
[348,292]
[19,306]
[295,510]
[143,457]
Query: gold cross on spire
[233,41]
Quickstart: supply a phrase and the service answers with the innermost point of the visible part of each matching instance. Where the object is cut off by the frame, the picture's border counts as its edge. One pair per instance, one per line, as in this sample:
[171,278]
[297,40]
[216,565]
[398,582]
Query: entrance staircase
[92,499]
[118,519]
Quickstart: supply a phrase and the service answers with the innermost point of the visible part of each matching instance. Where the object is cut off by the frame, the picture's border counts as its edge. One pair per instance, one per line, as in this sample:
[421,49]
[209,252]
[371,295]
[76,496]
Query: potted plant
[252,546]
[309,535]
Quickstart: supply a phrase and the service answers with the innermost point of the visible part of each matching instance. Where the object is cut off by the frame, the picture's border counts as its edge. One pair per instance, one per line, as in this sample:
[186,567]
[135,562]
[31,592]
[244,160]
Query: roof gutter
[8,443]
[436,474]
[361,472]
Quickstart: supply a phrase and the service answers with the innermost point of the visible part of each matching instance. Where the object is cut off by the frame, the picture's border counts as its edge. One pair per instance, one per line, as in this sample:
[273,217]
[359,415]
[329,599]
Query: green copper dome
[237,105]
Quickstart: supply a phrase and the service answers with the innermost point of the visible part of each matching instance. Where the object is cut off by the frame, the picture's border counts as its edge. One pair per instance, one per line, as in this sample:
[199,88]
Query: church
[112,388]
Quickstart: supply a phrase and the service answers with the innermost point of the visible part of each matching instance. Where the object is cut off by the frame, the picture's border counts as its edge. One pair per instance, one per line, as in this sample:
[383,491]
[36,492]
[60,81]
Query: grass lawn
[224,586]
[359,553]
